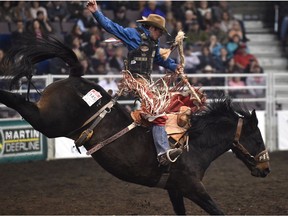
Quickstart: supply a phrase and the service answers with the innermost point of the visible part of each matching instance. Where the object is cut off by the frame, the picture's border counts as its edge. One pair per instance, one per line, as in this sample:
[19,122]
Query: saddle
[176,125]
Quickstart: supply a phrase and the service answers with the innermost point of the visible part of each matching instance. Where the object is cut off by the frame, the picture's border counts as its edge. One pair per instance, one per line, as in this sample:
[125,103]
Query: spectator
[21,12]
[226,22]
[75,9]
[224,7]
[138,5]
[57,11]
[85,21]
[92,45]
[196,37]
[203,9]
[235,29]
[284,30]
[236,82]
[87,67]
[191,61]
[35,28]
[190,17]
[109,84]
[16,34]
[6,13]
[166,6]
[170,21]
[253,66]
[110,50]
[177,27]
[283,24]
[76,47]
[101,69]
[233,45]
[116,63]
[218,10]
[256,81]
[222,61]
[179,10]
[208,22]
[96,31]
[151,8]
[100,57]
[220,34]
[214,46]
[114,5]
[209,80]
[232,67]
[35,7]
[242,58]
[206,58]
[75,32]
[44,22]
[120,17]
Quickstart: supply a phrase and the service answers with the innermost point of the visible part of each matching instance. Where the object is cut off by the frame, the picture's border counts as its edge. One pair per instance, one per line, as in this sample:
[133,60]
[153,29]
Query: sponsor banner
[19,141]
[65,148]
[282,130]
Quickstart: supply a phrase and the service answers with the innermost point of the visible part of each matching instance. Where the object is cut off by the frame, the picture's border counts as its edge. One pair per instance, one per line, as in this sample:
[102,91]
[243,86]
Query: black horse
[61,111]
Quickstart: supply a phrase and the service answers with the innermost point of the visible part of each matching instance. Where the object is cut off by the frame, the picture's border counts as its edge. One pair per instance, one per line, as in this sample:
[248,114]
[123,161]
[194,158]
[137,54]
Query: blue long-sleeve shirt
[131,38]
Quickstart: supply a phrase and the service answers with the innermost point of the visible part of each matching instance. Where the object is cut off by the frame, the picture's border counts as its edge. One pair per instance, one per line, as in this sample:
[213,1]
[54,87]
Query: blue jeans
[160,139]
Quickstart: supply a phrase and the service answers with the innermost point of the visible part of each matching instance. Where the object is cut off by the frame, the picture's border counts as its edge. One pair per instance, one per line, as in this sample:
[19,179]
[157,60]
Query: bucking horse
[62,112]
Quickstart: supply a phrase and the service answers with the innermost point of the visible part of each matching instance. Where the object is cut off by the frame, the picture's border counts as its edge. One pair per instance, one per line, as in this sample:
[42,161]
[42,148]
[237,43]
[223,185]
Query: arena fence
[272,114]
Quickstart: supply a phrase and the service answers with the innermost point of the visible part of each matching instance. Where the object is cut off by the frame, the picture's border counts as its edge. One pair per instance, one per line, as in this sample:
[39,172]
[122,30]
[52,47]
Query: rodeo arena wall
[20,142]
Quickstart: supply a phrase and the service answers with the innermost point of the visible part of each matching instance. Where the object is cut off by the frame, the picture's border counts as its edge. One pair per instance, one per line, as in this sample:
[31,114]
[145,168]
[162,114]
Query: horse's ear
[254,120]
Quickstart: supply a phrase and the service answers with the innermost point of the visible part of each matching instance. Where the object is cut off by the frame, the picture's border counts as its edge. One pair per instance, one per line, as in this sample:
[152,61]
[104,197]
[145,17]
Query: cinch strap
[111,139]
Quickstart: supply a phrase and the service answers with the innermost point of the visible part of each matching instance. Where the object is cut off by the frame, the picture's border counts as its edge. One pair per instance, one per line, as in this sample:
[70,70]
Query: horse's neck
[211,144]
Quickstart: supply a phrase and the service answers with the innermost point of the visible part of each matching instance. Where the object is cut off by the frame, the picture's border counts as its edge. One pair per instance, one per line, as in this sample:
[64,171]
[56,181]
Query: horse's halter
[260,158]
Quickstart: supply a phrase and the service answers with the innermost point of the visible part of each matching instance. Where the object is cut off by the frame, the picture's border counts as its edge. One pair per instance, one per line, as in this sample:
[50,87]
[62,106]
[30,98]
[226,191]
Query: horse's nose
[265,172]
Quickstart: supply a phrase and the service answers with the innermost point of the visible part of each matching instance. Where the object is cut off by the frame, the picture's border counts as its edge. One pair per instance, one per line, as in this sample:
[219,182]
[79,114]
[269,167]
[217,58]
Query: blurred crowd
[216,41]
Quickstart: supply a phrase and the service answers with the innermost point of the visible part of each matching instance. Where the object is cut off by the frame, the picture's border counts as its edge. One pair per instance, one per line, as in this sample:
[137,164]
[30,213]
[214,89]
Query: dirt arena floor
[82,187]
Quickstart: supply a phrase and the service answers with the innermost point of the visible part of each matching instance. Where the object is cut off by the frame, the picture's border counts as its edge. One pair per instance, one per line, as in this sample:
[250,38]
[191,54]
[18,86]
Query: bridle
[262,157]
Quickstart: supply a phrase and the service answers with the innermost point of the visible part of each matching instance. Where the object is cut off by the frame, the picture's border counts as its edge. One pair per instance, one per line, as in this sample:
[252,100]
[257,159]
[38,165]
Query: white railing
[271,98]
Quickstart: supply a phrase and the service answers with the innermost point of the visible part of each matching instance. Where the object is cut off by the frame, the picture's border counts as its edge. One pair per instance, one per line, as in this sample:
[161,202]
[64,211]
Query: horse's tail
[19,61]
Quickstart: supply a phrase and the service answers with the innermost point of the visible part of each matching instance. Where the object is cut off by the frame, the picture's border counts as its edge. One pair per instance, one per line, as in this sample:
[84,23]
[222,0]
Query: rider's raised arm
[128,36]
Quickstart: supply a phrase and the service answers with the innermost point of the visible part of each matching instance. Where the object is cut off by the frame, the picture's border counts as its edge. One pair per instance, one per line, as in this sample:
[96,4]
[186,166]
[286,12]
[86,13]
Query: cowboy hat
[154,20]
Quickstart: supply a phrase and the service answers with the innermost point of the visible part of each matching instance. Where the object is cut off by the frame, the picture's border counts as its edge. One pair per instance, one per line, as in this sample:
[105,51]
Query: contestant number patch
[91,97]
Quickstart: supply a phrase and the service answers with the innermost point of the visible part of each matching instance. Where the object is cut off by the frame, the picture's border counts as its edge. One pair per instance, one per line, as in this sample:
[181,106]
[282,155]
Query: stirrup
[168,154]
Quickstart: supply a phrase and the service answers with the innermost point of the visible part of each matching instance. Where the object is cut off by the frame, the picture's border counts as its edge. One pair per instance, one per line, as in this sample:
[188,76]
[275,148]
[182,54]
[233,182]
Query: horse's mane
[19,60]
[219,111]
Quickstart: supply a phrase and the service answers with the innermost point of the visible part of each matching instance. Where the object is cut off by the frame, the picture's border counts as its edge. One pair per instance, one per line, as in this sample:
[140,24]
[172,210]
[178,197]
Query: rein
[260,158]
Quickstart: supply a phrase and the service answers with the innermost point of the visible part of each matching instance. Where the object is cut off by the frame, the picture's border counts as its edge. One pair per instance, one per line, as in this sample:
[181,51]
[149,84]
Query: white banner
[282,130]
[261,123]
[65,148]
